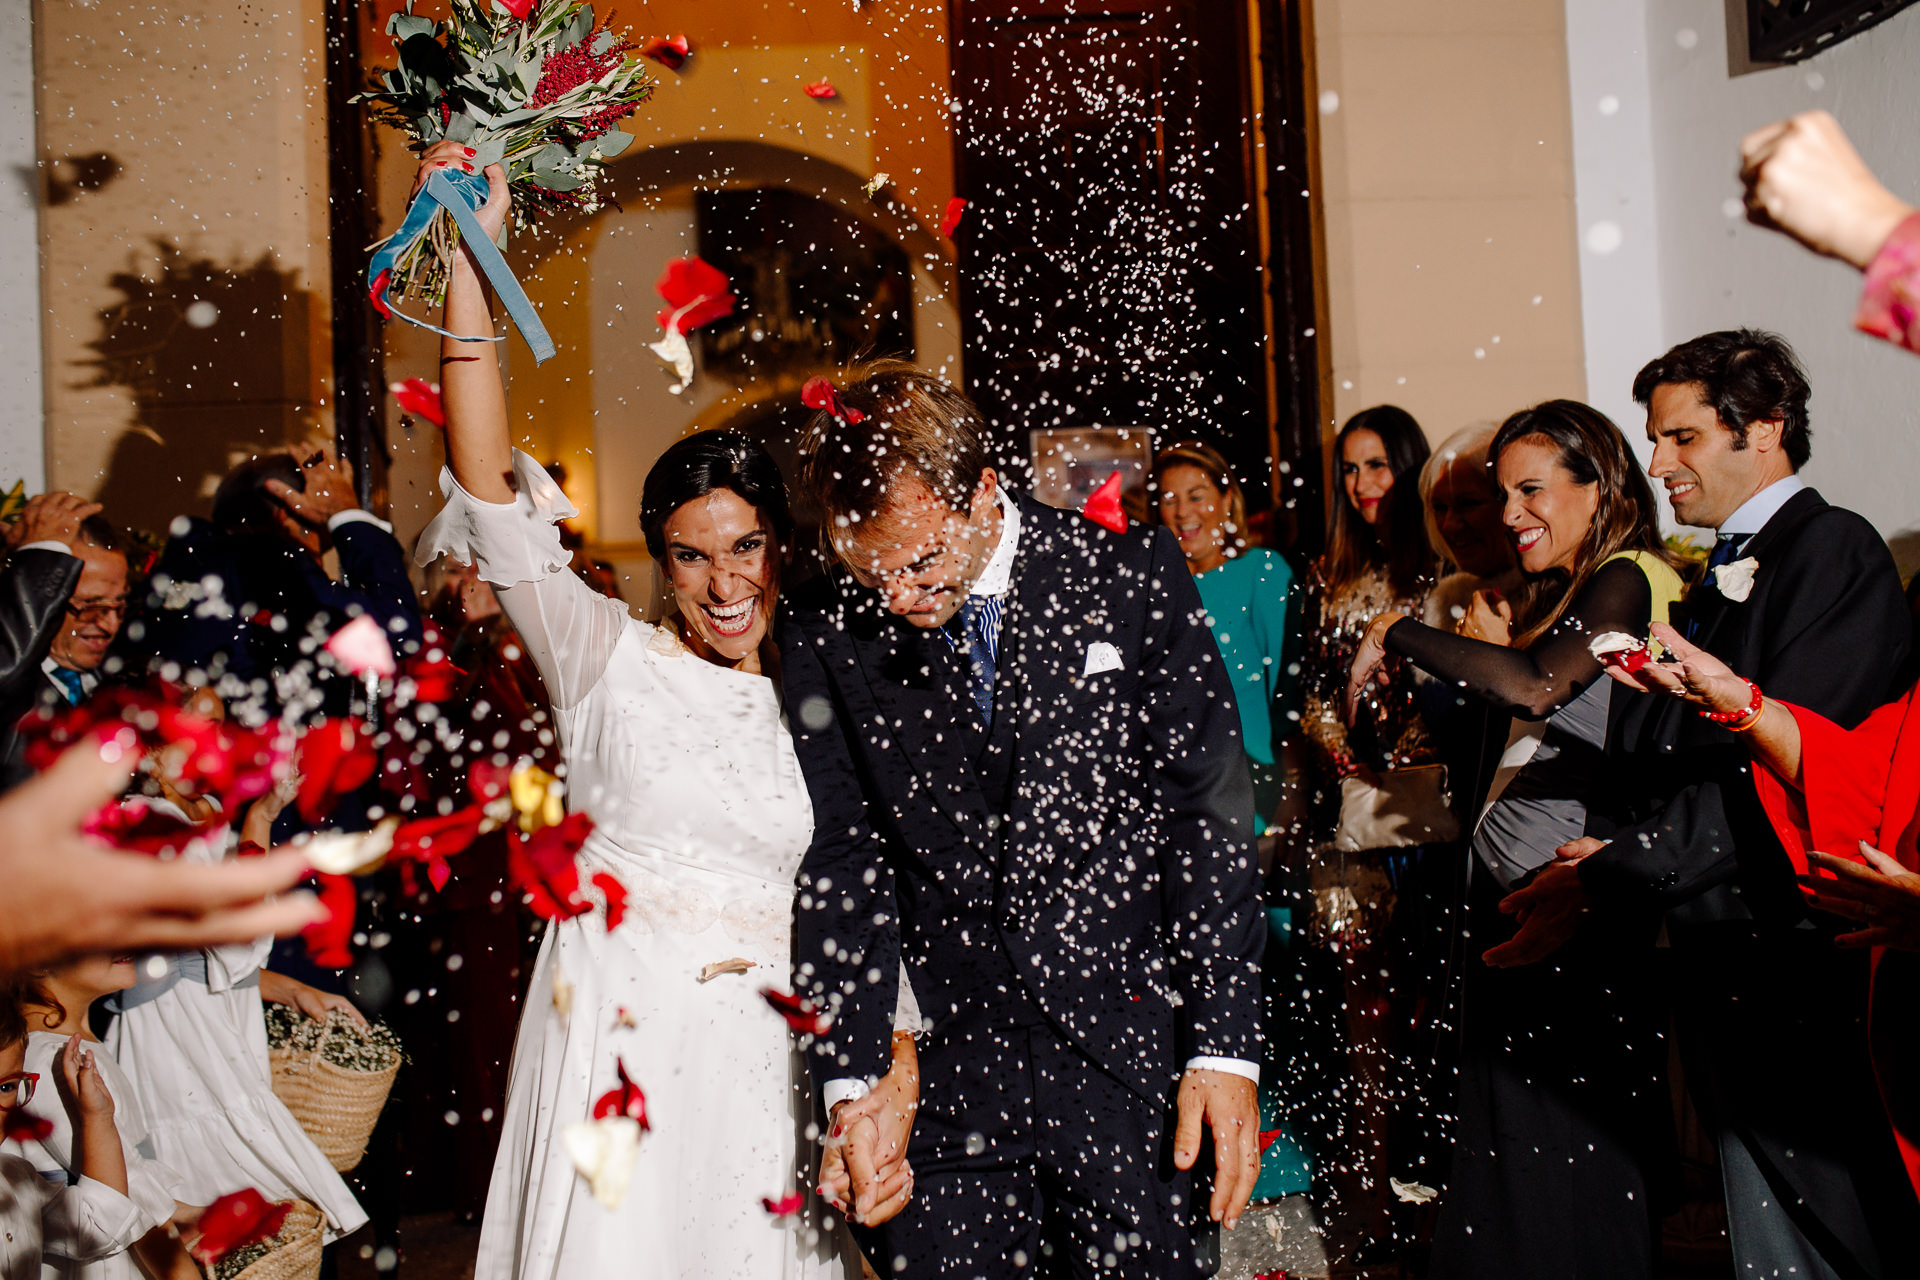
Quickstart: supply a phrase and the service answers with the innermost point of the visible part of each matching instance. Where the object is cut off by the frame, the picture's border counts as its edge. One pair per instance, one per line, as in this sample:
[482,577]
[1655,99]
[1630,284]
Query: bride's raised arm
[479,446]
[502,506]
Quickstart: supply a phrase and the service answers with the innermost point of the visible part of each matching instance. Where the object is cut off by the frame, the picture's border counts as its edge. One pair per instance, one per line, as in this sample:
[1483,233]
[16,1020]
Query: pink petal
[361,647]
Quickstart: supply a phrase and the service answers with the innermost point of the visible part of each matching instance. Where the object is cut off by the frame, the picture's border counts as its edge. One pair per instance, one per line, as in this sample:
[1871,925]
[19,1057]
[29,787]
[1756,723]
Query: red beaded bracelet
[1747,712]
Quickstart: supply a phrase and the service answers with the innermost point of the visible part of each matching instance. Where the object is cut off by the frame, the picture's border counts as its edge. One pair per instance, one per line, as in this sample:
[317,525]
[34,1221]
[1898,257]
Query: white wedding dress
[701,812]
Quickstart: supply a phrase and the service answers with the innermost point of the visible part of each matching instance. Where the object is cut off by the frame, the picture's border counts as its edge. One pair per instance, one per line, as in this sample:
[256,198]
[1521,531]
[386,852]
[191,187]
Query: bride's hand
[865,1173]
[455,157]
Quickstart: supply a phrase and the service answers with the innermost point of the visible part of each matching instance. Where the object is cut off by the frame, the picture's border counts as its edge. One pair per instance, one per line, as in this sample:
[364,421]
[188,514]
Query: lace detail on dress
[484,534]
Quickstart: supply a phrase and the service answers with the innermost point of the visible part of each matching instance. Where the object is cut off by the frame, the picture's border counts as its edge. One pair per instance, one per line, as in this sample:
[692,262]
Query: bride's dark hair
[702,463]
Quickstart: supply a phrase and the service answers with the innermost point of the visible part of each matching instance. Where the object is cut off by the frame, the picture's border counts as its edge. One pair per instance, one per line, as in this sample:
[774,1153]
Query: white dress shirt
[1751,516]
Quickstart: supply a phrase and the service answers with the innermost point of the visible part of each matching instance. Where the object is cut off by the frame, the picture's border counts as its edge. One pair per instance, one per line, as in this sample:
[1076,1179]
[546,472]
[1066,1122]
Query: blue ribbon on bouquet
[459,194]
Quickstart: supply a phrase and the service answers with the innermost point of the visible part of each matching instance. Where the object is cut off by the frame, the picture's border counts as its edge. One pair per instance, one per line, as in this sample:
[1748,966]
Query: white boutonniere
[1735,580]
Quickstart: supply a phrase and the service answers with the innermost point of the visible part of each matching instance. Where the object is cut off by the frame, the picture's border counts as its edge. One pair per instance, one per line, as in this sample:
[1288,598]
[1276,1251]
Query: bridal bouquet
[529,84]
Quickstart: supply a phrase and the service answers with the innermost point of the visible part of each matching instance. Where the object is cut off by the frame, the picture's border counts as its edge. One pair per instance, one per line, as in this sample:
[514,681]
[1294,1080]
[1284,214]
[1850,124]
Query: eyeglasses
[16,1090]
[97,610]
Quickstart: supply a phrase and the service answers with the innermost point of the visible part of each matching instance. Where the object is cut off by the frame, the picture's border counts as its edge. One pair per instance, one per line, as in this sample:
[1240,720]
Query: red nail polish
[466,166]
[471,151]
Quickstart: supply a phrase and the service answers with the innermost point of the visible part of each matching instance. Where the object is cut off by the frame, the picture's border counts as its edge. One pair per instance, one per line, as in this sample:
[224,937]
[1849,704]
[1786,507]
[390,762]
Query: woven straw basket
[298,1258]
[337,1107]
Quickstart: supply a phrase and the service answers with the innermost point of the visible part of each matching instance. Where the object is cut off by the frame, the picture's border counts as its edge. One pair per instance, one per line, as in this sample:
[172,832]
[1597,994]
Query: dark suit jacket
[1100,834]
[1772,1015]
[273,605]
[34,589]
[1825,627]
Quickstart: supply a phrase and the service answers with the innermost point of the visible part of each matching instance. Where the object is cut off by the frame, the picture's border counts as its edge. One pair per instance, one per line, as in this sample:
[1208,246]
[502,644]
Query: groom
[1028,786]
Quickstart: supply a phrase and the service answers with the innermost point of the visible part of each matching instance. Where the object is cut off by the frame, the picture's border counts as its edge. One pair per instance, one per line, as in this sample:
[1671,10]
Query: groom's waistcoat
[1086,859]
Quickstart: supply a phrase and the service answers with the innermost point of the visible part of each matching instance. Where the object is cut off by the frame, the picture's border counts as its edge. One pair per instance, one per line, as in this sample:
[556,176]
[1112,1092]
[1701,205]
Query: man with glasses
[62,597]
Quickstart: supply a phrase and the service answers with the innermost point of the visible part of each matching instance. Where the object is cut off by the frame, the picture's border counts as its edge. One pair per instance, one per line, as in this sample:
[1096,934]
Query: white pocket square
[1102,656]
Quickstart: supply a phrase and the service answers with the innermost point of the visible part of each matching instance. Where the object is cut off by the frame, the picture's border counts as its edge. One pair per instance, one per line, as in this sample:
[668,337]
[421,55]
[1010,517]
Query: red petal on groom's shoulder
[1103,505]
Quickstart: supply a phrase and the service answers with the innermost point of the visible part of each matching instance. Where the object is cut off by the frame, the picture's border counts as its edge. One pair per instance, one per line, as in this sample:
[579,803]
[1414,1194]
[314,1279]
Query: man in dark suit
[1027,785]
[246,599]
[62,596]
[1804,599]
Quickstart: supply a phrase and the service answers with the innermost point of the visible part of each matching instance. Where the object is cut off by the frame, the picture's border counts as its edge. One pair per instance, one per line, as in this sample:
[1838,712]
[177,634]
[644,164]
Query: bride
[675,746]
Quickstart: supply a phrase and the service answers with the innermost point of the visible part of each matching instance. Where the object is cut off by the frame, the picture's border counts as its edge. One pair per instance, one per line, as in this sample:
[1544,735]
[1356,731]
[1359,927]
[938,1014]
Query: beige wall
[183,161]
[1446,181]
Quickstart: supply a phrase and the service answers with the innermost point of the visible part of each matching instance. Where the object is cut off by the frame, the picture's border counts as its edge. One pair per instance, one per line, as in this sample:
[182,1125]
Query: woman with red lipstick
[1563,1143]
[1362,910]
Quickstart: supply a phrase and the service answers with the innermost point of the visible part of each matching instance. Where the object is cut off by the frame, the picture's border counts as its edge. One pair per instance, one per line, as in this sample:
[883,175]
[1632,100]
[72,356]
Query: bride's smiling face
[724,566]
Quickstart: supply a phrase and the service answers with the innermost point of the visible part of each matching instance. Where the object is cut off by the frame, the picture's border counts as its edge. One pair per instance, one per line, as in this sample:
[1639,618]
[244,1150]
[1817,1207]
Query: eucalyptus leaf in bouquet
[534,86]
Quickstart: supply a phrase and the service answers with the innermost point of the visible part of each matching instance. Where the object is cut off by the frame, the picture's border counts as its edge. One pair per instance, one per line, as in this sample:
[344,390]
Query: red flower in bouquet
[584,62]
[697,293]
[336,756]
[669,52]
[1103,505]
[20,1125]
[950,220]
[627,1100]
[420,398]
[819,393]
[236,1219]
[799,1011]
[543,866]
[785,1207]
[518,8]
[616,896]
[821,89]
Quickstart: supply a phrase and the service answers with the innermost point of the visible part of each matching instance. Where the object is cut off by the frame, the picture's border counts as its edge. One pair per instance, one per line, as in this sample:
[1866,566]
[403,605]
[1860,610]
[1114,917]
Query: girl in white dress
[674,745]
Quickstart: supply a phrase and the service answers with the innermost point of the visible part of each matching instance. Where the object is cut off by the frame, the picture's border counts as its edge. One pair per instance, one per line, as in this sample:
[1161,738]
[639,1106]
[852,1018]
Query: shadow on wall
[216,361]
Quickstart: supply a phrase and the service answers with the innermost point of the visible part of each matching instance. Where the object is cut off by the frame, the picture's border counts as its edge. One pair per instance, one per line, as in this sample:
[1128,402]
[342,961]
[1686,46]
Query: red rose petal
[542,866]
[698,291]
[335,757]
[669,52]
[799,1012]
[420,398]
[1268,1137]
[21,1125]
[1103,505]
[616,896]
[236,1219]
[950,220]
[785,1206]
[822,90]
[328,940]
[627,1100]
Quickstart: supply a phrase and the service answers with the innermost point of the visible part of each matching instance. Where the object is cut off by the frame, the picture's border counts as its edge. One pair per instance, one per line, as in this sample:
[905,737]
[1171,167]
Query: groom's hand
[1229,1105]
[856,1176]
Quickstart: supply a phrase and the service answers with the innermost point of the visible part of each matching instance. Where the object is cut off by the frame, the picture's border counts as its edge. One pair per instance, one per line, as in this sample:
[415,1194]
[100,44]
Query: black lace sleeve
[1535,682]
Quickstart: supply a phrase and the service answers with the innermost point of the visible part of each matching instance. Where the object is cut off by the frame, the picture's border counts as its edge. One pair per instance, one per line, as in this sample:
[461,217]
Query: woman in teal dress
[1252,606]
[1251,601]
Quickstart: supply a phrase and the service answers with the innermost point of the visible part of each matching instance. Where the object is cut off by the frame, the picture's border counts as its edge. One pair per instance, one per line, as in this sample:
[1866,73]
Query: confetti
[420,398]
[950,220]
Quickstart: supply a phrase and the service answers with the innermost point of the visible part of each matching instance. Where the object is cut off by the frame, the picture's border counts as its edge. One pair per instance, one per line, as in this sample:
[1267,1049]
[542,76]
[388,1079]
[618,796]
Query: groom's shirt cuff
[1232,1066]
[836,1092]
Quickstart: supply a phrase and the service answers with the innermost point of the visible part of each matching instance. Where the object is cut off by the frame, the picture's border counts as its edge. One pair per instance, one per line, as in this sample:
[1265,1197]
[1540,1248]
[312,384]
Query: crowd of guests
[1506,857]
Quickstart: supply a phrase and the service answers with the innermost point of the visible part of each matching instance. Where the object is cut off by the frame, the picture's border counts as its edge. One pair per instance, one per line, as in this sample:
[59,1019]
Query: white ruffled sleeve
[570,630]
